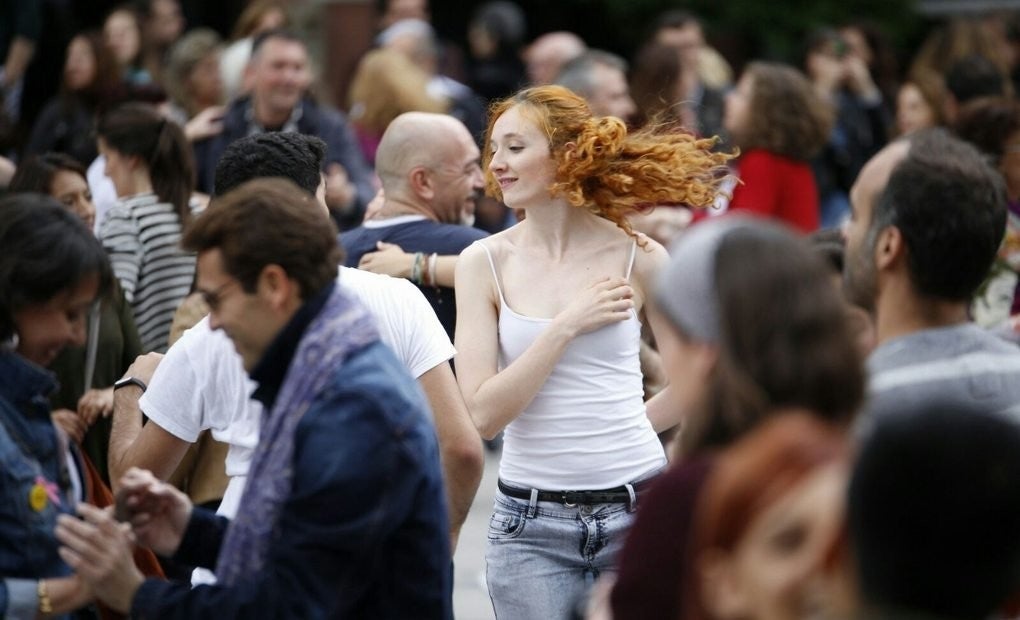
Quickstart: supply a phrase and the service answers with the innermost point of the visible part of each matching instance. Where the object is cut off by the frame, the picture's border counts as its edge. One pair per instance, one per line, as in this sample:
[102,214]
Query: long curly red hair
[607,170]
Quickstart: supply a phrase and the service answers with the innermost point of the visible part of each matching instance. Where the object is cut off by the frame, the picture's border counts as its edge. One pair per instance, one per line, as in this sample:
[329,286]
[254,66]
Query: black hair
[46,250]
[138,130]
[36,173]
[974,76]
[293,156]
[933,512]
[949,204]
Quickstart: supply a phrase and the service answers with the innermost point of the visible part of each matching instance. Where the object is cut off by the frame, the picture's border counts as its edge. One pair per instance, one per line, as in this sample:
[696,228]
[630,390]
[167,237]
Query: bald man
[548,53]
[430,173]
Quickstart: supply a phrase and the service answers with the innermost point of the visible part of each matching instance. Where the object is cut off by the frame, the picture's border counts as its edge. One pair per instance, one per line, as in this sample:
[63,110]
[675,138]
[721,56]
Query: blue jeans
[543,556]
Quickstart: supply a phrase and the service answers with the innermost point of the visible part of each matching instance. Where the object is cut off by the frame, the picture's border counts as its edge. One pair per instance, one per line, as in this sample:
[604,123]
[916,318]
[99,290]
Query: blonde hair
[387,84]
[605,169]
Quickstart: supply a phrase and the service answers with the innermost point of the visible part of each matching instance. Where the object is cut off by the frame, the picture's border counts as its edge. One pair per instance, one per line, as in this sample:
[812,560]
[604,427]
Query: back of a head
[780,327]
[269,221]
[933,513]
[46,250]
[293,156]
[579,74]
[787,116]
[949,204]
[139,130]
[988,123]
[974,76]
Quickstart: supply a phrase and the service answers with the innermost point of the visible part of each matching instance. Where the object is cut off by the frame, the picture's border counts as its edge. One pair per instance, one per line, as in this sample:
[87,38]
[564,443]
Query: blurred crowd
[746,337]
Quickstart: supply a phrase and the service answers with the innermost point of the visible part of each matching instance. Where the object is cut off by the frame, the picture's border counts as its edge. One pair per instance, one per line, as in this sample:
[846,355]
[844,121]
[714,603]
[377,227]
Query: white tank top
[586,428]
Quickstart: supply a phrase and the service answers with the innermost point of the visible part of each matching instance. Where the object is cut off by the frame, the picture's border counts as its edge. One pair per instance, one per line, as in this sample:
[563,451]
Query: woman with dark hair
[548,337]
[779,123]
[150,163]
[89,82]
[771,516]
[122,34]
[52,269]
[748,323]
[657,87]
[84,402]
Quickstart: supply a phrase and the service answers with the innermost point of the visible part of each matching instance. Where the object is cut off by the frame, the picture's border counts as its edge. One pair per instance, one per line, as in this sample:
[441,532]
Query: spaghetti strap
[495,276]
[630,265]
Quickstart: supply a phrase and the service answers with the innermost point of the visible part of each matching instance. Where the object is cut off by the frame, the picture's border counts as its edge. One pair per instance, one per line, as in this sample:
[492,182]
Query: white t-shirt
[201,383]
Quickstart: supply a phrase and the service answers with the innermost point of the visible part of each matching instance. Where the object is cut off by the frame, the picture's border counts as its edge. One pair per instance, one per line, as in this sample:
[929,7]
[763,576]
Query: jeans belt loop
[632,502]
[533,504]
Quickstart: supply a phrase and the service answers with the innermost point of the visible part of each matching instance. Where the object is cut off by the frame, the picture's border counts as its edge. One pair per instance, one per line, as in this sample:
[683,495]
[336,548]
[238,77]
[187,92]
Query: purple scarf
[341,328]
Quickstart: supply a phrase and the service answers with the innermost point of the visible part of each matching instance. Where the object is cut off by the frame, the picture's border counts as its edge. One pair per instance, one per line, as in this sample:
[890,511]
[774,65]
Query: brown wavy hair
[603,168]
[786,116]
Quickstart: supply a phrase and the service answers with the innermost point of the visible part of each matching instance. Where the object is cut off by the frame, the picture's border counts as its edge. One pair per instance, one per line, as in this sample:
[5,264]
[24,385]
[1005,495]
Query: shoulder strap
[630,263]
[495,276]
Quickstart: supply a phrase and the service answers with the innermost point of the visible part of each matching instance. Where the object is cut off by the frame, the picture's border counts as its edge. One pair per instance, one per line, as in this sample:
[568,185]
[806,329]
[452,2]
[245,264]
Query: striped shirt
[142,237]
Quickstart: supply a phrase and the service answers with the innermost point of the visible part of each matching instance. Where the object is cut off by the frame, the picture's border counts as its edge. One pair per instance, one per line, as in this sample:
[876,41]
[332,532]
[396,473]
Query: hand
[375,205]
[389,260]
[99,550]
[144,367]
[157,511]
[95,403]
[606,301]
[340,192]
[858,78]
[205,124]
[71,423]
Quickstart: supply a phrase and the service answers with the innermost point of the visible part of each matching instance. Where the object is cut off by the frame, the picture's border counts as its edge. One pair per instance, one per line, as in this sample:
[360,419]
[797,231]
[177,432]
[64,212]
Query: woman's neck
[556,227]
[138,183]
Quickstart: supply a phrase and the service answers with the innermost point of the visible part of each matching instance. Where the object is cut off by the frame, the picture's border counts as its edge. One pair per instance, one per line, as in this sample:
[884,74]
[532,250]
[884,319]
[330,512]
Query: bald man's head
[430,160]
[548,53]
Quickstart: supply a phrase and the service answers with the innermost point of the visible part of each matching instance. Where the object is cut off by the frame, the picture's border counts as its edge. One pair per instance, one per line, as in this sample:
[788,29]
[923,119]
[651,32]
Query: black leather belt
[615,495]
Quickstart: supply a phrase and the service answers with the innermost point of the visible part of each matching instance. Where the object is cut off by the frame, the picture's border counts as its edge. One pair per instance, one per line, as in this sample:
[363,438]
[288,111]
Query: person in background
[385,85]
[162,25]
[547,54]
[779,124]
[495,35]
[84,402]
[52,270]
[601,78]
[280,76]
[149,161]
[920,103]
[257,17]
[90,81]
[194,85]
[122,33]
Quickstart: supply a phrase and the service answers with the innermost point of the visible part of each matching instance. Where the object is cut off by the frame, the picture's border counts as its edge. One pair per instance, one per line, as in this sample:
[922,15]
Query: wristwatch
[126,381]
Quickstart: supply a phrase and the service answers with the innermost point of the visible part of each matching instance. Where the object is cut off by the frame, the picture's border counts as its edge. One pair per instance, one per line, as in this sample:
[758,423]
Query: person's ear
[277,288]
[421,182]
[890,248]
[721,593]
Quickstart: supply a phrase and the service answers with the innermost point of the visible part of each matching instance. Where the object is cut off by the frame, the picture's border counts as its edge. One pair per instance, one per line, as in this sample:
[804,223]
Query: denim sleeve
[335,515]
[19,599]
[200,545]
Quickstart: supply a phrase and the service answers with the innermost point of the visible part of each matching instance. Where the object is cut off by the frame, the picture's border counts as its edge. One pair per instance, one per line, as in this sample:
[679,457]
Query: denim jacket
[364,532]
[34,485]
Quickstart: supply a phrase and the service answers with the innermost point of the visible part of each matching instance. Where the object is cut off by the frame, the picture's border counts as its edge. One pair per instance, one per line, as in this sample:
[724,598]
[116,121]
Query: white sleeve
[423,343]
[175,398]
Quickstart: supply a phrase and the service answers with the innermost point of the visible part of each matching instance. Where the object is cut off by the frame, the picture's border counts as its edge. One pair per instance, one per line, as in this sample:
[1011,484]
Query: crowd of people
[746,342]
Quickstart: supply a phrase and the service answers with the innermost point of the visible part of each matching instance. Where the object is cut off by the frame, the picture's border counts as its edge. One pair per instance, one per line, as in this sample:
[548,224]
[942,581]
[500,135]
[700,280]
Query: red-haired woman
[768,523]
[548,335]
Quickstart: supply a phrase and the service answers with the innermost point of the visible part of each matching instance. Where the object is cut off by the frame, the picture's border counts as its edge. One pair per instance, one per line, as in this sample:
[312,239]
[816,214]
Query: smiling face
[44,329]
[70,188]
[244,317]
[458,178]
[280,74]
[520,160]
